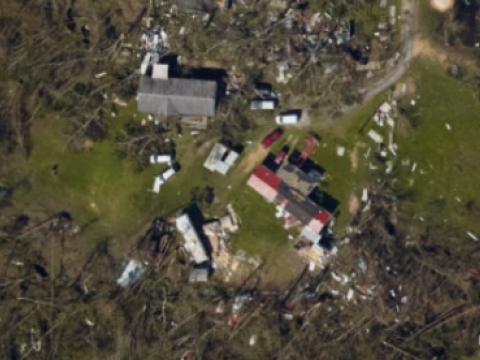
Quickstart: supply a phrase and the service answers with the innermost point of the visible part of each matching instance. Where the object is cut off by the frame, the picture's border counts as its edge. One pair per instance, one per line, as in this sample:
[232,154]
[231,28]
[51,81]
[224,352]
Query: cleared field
[443,187]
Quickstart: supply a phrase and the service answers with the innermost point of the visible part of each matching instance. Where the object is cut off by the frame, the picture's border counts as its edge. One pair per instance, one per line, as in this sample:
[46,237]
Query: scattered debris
[131,273]
[350,294]
[375,136]
[35,341]
[472,236]
[199,274]
[193,243]
[100,75]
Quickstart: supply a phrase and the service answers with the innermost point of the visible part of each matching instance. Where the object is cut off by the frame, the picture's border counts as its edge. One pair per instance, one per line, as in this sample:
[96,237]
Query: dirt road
[409,29]
[407,36]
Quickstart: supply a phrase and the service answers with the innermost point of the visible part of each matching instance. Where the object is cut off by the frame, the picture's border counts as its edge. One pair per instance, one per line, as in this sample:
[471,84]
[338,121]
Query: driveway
[407,36]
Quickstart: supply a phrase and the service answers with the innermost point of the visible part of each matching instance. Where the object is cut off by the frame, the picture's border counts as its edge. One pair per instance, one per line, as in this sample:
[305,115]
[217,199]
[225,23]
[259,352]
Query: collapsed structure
[289,186]
[208,243]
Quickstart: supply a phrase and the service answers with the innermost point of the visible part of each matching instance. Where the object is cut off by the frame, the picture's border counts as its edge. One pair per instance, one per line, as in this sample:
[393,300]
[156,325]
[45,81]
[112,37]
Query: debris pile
[208,243]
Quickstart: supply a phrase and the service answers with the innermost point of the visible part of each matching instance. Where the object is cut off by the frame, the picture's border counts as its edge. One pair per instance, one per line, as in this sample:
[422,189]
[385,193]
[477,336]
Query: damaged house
[208,243]
[289,186]
[292,201]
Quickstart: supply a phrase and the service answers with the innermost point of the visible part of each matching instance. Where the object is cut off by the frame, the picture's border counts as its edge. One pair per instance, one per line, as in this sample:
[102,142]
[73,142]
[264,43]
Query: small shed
[220,159]
[198,274]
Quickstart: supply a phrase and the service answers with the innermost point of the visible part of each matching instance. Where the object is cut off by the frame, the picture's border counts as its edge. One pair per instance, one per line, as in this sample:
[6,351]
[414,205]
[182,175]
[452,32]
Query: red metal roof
[262,188]
[323,216]
[319,220]
[268,177]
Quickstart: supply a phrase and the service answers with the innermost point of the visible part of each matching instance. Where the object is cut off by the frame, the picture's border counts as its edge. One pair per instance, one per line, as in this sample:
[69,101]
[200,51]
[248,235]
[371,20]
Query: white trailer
[287,118]
[262,105]
[160,159]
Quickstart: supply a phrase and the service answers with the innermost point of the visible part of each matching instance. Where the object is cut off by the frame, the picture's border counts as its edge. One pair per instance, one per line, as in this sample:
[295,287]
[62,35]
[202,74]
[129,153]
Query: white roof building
[220,159]
[193,243]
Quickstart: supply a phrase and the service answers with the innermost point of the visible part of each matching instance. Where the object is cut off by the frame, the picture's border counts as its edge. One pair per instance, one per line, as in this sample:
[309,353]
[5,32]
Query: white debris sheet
[131,273]
[375,136]
[473,237]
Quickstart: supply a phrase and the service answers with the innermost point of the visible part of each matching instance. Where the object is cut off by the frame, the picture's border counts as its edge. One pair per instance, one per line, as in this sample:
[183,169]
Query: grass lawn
[97,187]
[107,193]
[446,195]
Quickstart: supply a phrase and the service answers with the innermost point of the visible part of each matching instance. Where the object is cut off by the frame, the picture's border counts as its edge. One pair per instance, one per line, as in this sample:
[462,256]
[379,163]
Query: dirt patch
[354,158]
[88,145]
[424,48]
[353,204]
[410,87]
[253,158]
[442,5]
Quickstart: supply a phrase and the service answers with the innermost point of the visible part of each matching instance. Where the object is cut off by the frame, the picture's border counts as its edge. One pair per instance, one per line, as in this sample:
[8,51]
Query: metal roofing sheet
[268,177]
[231,158]
[262,188]
[184,97]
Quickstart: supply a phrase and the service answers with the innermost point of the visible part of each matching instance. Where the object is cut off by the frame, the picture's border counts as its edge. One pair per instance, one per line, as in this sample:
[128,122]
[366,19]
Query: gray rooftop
[182,97]
[296,178]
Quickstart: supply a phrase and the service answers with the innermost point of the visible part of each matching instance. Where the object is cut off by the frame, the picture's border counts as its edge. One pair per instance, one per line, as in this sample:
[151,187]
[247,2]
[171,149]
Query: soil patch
[354,158]
[410,87]
[353,204]
[424,48]
[253,158]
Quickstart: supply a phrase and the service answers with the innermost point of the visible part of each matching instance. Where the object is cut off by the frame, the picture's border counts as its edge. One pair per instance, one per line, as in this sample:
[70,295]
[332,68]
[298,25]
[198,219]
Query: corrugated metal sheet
[222,168]
[231,158]
[182,97]
[216,155]
[268,177]
[310,235]
[324,216]
[193,244]
[262,188]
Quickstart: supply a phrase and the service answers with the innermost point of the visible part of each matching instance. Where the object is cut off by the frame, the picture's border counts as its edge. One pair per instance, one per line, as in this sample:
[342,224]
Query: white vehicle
[287,118]
[262,105]
[160,159]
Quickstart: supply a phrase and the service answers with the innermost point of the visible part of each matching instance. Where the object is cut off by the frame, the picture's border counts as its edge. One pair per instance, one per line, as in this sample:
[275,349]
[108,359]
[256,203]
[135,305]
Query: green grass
[94,185]
[106,192]
[448,158]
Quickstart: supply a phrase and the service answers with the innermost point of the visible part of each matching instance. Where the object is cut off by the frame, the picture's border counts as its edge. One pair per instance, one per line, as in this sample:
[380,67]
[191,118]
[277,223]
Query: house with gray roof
[177,97]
